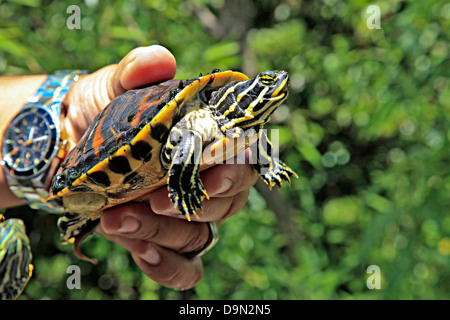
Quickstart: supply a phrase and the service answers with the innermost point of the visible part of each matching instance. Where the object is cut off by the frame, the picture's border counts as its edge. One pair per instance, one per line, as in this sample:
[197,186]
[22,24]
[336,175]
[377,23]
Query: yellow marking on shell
[192,89]
[225,77]
[145,131]
[115,178]
[165,116]
[187,93]
[126,152]
[103,166]
[219,79]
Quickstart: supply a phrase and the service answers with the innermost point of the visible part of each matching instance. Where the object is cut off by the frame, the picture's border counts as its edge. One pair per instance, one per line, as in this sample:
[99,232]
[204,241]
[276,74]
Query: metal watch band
[33,190]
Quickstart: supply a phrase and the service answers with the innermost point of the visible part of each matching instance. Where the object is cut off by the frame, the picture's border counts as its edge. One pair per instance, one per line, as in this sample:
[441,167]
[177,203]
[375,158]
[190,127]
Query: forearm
[14,92]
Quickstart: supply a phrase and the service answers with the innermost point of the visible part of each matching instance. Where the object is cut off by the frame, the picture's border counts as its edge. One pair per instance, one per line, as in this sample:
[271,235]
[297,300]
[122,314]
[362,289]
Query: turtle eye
[267,79]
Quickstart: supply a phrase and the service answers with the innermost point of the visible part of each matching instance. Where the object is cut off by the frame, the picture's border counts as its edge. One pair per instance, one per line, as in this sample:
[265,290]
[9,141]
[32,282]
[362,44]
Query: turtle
[159,135]
[15,258]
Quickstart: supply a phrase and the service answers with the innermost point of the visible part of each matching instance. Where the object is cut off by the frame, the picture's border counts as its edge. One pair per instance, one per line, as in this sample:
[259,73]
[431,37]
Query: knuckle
[244,177]
[196,239]
[237,203]
[151,232]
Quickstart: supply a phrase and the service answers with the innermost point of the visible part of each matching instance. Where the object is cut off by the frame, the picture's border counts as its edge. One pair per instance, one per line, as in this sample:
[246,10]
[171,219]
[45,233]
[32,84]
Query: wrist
[31,144]
[15,92]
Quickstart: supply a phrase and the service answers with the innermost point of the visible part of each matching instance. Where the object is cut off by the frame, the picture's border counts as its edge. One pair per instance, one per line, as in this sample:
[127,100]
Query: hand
[156,234]
[92,93]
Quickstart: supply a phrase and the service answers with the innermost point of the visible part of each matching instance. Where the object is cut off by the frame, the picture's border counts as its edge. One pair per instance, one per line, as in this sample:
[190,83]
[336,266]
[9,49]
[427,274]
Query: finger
[85,99]
[171,269]
[226,180]
[214,209]
[163,265]
[143,66]
[220,209]
[138,221]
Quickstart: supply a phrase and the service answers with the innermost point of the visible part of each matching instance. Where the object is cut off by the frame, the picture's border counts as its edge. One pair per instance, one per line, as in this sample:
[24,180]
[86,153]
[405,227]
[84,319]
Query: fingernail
[226,185]
[151,256]
[129,225]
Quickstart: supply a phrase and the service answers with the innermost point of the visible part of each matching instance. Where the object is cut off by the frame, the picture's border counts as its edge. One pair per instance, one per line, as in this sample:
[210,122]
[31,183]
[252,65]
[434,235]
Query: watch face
[29,142]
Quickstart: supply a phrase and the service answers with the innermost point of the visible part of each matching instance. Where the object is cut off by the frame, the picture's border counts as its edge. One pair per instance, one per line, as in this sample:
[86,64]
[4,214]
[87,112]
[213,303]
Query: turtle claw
[188,203]
[279,173]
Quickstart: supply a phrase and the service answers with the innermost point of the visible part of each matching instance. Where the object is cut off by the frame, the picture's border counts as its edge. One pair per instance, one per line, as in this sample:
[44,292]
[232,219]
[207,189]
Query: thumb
[88,96]
[143,66]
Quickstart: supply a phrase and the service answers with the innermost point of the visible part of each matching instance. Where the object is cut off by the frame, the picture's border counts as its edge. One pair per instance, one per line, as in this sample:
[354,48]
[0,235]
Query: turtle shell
[118,159]
[15,258]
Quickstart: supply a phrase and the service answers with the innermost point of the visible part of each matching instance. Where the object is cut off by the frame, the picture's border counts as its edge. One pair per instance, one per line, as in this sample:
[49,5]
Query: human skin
[154,232]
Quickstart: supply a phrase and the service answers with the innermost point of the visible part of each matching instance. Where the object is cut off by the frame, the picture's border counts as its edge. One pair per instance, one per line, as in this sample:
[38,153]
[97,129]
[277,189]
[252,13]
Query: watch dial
[29,141]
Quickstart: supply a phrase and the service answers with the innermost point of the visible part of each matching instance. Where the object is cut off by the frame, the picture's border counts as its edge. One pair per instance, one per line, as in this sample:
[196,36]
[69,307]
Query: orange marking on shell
[97,139]
[144,106]
[219,79]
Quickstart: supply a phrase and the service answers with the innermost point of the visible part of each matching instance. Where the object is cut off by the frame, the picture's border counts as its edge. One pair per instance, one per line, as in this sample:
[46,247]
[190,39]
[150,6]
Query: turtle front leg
[182,156]
[271,170]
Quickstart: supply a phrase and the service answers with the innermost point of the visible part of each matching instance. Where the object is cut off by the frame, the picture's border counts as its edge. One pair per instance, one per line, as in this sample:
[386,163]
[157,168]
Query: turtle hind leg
[75,227]
[183,157]
[271,170]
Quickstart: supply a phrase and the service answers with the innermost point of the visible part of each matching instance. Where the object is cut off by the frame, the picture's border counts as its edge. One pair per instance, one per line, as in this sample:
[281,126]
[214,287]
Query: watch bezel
[45,162]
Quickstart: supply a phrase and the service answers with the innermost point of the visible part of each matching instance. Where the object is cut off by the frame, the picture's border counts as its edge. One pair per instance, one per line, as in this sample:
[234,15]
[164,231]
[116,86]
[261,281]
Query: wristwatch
[32,144]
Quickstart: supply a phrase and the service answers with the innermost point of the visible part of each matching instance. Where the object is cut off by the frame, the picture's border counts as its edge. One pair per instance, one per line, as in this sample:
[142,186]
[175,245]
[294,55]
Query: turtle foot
[277,174]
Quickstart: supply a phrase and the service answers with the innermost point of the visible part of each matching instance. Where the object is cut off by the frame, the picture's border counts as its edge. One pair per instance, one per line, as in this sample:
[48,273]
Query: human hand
[158,236]
[153,234]
[93,92]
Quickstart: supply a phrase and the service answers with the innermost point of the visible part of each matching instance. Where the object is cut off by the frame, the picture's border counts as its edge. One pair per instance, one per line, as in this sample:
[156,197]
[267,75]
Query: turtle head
[274,84]
[250,103]
[268,90]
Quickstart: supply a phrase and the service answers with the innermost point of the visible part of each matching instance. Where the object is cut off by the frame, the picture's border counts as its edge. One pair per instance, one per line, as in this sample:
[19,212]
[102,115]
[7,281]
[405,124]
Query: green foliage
[366,125]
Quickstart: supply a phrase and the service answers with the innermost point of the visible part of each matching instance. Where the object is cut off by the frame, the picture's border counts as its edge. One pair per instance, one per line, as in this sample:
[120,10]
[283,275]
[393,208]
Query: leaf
[311,154]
